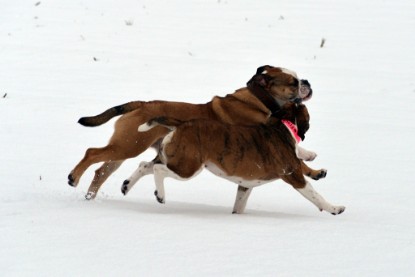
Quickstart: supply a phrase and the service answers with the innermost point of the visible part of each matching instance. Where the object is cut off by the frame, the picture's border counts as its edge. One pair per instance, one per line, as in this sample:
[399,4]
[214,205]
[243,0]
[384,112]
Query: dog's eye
[294,83]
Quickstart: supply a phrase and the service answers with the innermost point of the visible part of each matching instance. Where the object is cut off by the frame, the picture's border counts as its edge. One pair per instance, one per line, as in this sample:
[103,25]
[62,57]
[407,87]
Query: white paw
[159,197]
[237,211]
[338,210]
[90,196]
[310,156]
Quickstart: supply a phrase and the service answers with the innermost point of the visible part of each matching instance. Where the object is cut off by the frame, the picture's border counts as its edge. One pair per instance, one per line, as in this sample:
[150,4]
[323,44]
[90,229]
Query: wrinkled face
[283,84]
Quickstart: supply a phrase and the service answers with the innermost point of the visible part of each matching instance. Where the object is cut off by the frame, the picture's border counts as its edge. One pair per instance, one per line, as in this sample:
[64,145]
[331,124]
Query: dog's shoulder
[240,107]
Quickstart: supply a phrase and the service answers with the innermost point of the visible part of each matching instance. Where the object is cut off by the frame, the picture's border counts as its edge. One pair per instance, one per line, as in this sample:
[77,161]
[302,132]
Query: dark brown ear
[288,111]
[261,69]
[303,120]
[259,79]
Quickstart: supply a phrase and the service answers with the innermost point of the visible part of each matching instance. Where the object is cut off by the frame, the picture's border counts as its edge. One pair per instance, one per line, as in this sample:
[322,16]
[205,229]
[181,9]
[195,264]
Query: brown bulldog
[249,156]
[244,106]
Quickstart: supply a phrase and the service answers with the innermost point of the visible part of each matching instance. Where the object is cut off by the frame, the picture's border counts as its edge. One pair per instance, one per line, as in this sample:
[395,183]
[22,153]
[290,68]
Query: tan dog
[244,106]
[249,156]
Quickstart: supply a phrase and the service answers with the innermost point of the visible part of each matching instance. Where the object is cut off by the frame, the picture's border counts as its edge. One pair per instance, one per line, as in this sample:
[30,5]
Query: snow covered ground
[60,60]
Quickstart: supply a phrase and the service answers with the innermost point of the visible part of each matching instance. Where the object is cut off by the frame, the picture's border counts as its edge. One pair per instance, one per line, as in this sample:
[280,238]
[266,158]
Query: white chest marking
[166,140]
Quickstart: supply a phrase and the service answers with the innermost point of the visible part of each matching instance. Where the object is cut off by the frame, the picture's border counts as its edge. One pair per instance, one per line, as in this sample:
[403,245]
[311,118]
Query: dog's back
[232,149]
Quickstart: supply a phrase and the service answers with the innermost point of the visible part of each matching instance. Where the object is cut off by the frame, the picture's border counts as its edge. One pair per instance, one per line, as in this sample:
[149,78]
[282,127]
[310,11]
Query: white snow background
[60,60]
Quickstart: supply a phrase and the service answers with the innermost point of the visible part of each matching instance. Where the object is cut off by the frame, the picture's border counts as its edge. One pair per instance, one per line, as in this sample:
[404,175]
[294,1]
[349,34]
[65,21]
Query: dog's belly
[235,179]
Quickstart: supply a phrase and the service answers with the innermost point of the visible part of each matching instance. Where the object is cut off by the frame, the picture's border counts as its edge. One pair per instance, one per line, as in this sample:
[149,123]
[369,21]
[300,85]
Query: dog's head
[283,84]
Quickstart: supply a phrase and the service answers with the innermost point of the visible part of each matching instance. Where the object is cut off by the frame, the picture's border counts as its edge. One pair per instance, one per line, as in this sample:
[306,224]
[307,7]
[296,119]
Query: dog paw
[322,174]
[338,210]
[159,198]
[309,156]
[71,180]
[124,187]
[90,196]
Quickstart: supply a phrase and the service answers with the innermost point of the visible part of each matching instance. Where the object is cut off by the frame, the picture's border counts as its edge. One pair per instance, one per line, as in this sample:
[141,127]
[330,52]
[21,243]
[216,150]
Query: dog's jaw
[305,92]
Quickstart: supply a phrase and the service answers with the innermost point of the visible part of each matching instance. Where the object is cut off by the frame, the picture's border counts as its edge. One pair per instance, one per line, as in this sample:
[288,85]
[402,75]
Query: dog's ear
[259,79]
[261,69]
[288,111]
[303,120]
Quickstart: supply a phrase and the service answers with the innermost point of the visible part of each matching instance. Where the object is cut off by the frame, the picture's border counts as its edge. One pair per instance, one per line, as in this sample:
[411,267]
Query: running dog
[249,156]
[244,106]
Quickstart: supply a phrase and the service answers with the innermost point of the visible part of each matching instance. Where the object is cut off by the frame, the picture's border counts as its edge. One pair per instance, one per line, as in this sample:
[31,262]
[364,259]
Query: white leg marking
[304,154]
[161,171]
[241,199]
[145,168]
[309,193]
[144,127]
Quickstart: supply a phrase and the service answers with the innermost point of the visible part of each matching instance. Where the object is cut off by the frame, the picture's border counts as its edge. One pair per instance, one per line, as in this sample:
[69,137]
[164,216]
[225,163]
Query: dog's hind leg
[145,168]
[161,171]
[101,174]
[242,196]
[309,193]
[123,145]
[312,173]
[92,156]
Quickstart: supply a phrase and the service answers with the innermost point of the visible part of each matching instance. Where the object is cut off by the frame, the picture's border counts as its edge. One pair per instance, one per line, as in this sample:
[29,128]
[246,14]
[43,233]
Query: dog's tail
[169,123]
[92,121]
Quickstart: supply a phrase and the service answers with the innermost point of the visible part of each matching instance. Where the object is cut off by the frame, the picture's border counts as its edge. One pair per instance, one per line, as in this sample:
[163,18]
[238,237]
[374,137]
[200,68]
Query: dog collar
[293,129]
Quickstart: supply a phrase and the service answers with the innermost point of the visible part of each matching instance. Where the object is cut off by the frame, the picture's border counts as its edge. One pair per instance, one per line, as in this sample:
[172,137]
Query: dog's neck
[280,102]
[265,97]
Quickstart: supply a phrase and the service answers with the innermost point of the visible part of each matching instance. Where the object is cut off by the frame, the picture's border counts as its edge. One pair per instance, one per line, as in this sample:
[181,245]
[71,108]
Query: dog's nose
[305,83]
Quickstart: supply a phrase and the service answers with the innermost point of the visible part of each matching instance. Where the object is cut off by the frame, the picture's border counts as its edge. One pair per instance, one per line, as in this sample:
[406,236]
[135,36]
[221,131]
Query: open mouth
[305,92]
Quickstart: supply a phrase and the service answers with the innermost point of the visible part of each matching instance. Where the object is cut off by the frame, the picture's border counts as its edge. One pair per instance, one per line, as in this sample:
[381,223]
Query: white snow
[60,60]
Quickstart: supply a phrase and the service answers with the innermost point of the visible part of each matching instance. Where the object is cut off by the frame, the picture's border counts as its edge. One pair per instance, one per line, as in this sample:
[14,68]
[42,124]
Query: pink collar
[293,129]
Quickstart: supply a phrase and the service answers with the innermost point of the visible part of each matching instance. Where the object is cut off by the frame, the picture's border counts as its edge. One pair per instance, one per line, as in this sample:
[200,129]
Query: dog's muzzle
[305,92]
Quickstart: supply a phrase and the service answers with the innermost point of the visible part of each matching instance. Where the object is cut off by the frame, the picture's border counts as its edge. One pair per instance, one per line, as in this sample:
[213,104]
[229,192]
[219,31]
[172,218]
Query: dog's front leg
[145,168]
[309,193]
[242,196]
[304,154]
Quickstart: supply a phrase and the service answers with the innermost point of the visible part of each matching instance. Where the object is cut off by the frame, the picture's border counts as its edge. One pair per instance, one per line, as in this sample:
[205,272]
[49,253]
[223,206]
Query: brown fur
[241,107]
[264,152]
